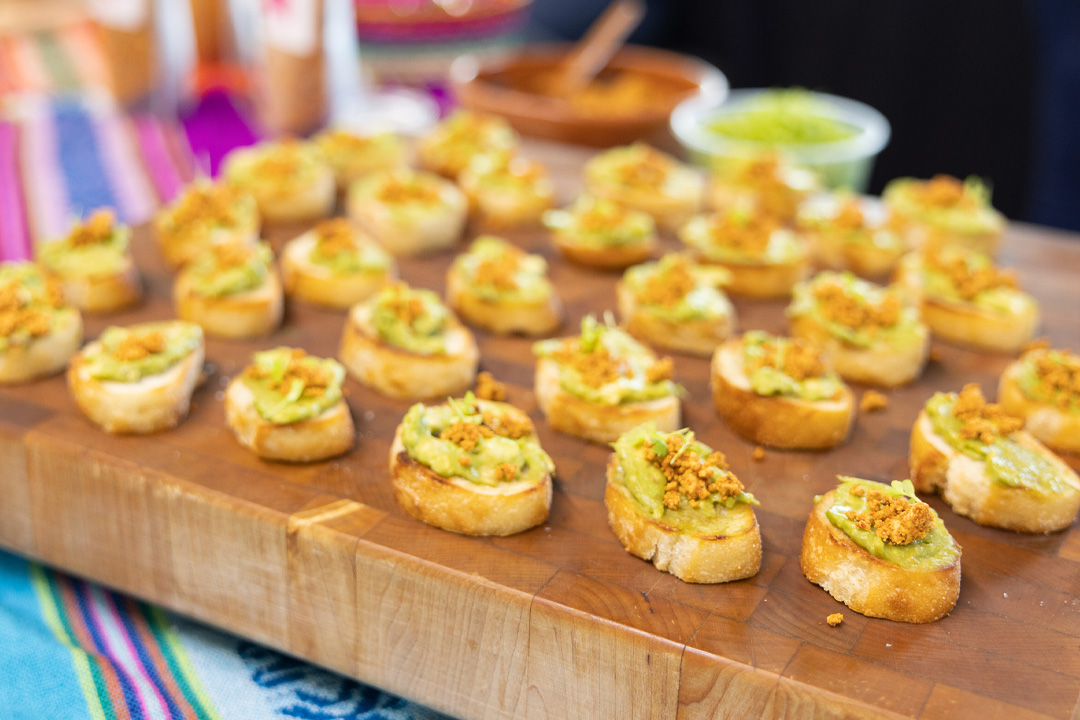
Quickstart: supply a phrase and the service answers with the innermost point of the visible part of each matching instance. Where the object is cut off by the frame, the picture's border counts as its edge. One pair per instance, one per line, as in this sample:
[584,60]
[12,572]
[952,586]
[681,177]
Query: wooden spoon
[601,41]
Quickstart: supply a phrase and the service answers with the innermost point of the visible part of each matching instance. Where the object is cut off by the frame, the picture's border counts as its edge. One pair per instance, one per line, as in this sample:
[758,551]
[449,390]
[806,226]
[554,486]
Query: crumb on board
[1042,343]
[835,619]
[759,454]
[488,388]
[873,401]
[935,355]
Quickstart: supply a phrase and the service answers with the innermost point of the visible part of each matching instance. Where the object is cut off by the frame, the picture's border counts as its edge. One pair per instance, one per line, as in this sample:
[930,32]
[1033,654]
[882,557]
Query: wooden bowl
[511,88]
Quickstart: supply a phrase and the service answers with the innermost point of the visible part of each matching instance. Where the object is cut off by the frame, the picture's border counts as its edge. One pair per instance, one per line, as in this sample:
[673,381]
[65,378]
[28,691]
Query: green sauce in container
[786,117]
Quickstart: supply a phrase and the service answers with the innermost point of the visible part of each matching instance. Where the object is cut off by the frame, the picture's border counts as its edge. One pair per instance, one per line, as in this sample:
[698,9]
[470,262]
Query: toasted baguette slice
[106,293]
[669,210]
[610,257]
[691,557]
[867,584]
[248,314]
[402,374]
[318,284]
[438,227]
[967,324]
[878,365]
[779,422]
[598,423]
[765,281]
[503,317]
[42,356]
[1056,428]
[283,205]
[327,435]
[693,337]
[463,507]
[151,404]
[962,481]
[862,258]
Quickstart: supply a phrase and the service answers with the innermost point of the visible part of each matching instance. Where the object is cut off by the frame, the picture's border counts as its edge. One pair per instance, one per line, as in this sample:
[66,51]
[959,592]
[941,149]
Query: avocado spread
[891,523]
[464,135]
[606,366]
[679,481]
[31,304]
[495,270]
[959,275]
[410,319]
[1051,377]
[356,154]
[597,222]
[945,203]
[132,353]
[787,367]
[856,311]
[230,269]
[677,289]
[206,209]
[480,441]
[338,248]
[281,168]
[97,246]
[983,431]
[742,234]
[290,386]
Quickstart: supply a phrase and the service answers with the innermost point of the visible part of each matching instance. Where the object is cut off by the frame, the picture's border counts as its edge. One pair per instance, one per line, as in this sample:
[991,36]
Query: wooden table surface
[558,622]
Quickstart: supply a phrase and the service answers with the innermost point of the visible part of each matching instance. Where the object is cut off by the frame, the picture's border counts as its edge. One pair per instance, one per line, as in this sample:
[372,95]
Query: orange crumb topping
[970,281]
[800,360]
[774,196]
[335,237]
[873,401]
[845,308]
[488,388]
[943,191]
[692,476]
[19,313]
[850,216]
[230,255]
[315,380]
[835,619]
[507,425]
[596,368]
[668,288]
[758,454]
[749,234]
[661,370]
[342,141]
[602,216]
[398,192]
[137,346]
[895,520]
[982,420]
[498,272]
[280,162]
[505,471]
[466,435]
[96,229]
[1060,377]
[210,203]
[650,169]
[408,309]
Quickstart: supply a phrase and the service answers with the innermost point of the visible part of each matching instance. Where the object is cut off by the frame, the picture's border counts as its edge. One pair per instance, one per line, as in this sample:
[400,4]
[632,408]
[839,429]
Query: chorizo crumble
[137,346]
[690,475]
[1059,376]
[211,204]
[850,216]
[944,191]
[670,287]
[97,229]
[895,520]
[835,619]
[966,279]
[798,359]
[399,192]
[335,237]
[873,401]
[498,272]
[749,233]
[314,379]
[19,311]
[982,420]
[649,169]
[488,388]
[846,308]
[774,197]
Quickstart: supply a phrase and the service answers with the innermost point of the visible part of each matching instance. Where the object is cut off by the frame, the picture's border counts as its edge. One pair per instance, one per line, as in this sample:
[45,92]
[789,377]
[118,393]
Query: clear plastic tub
[844,163]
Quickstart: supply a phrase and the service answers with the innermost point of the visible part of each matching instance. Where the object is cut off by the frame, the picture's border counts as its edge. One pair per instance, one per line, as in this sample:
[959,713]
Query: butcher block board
[558,622]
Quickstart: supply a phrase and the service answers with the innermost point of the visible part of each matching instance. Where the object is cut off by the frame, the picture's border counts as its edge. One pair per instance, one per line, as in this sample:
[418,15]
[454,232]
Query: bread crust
[318,284]
[1052,426]
[152,404]
[880,365]
[610,257]
[669,212]
[691,557]
[862,258]
[104,293]
[463,507]
[869,585]
[329,434]
[503,317]
[179,249]
[250,314]
[402,374]
[314,203]
[779,422]
[436,230]
[495,209]
[963,483]
[763,281]
[693,337]
[43,356]
[598,423]
[931,239]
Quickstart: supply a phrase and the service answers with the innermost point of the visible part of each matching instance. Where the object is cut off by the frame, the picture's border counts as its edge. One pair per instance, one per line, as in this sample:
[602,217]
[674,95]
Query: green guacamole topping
[338,248]
[597,222]
[231,269]
[606,366]
[405,194]
[128,354]
[933,551]
[677,289]
[1007,461]
[945,203]
[742,235]
[31,304]
[959,275]
[496,270]
[290,386]
[98,246]
[275,168]
[487,443]
[844,217]
[783,117]
[410,319]
[642,456]
[1051,377]
[857,311]
[785,367]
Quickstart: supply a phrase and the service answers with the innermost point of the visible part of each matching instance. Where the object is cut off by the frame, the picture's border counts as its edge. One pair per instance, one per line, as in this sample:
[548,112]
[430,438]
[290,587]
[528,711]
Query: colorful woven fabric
[60,60]
[70,650]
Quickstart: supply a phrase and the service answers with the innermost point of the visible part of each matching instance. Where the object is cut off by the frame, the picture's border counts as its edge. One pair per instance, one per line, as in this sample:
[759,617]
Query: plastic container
[843,163]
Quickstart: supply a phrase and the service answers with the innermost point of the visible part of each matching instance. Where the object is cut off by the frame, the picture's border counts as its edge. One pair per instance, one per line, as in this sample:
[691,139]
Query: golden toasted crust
[179,249]
[693,337]
[497,210]
[503,317]
[870,585]
[104,293]
[43,356]
[864,259]
[613,257]
[688,556]
[670,213]
[879,365]
[967,324]
[930,238]
[315,202]
[1057,429]
[598,423]
[327,435]
[249,314]
[463,507]
[319,285]
[437,229]
[763,280]
[779,422]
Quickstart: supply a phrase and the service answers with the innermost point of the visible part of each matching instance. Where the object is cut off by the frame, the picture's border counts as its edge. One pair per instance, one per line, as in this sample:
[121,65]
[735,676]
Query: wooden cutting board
[558,622]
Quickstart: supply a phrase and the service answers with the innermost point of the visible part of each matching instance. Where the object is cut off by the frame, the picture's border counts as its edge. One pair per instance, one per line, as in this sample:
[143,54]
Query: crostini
[643,178]
[781,392]
[988,468]
[453,143]
[871,333]
[676,304]
[672,500]
[352,156]
[882,552]
[602,383]
[500,288]
[506,191]
[233,292]
[765,181]
[472,467]
[288,405]
[851,232]
[405,343]
[335,265]
[409,212]
[94,265]
[602,234]
[765,258]
[205,214]
[138,379]
[1043,388]
[39,330]
[945,211]
[290,180]
[968,300]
